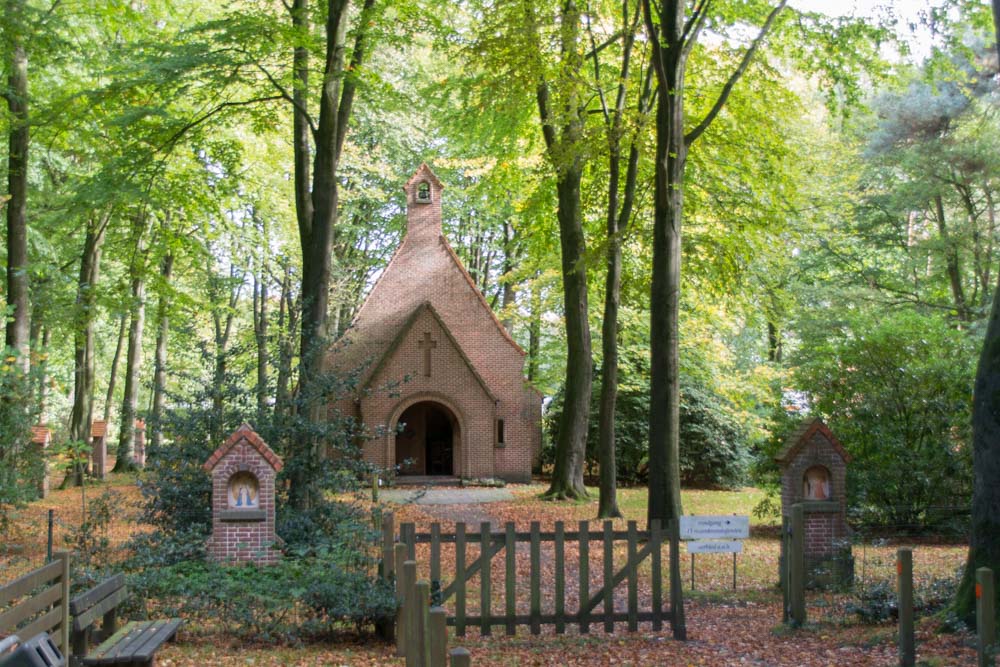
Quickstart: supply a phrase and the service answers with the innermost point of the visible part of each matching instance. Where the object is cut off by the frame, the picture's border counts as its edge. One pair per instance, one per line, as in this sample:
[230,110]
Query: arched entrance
[425,440]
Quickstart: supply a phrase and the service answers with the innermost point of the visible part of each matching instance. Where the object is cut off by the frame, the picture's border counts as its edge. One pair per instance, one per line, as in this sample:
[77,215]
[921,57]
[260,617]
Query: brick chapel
[459,404]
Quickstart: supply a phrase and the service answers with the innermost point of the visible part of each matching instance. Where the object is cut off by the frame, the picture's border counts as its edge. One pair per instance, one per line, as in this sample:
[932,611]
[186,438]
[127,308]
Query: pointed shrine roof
[244,434]
[801,435]
[422,172]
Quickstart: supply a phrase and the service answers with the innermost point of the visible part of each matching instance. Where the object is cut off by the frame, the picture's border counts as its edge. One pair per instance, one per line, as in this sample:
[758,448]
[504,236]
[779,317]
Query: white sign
[714,527]
[705,547]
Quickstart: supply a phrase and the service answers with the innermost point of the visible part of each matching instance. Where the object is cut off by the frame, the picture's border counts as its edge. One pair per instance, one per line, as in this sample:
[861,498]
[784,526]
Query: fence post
[676,593]
[423,632]
[786,600]
[904,588]
[460,658]
[797,568]
[400,558]
[384,628]
[986,617]
[48,546]
[64,556]
[410,612]
[439,637]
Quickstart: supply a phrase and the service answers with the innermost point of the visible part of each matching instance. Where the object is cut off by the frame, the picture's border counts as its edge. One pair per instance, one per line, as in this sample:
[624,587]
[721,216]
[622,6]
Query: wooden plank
[62,639]
[423,599]
[29,607]
[459,582]
[460,657]
[436,562]
[87,618]
[410,534]
[439,636]
[158,634]
[582,611]
[412,613]
[510,580]
[618,578]
[550,619]
[609,577]
[399,556]
[560,583]
[633,577]
[536,579]
[904,605]
[544,536]
[677,623]
[485,576]
[83,602]
[24,585]
[796,568]
[136,642]
[41,624]
[656,565]
[471,570]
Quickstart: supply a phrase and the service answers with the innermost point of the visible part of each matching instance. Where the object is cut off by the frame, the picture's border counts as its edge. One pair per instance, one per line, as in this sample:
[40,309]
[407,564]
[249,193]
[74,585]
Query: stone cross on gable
[427,345]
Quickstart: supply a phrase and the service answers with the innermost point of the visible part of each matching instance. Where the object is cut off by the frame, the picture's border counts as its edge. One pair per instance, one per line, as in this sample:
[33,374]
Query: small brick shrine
[99,449]
[814,474]
[243,470]
[41,437]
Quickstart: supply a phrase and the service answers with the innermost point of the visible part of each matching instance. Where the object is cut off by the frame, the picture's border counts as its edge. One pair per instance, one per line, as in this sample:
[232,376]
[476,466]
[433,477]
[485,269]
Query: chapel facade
[442,390]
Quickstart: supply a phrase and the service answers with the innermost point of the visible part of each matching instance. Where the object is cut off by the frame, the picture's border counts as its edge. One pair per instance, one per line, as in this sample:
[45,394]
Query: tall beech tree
[674,32]
[984,543]
[316,197]
[16,94]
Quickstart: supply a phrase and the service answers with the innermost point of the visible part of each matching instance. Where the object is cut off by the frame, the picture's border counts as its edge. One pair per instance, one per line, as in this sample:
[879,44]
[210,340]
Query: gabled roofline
[801,435]
[423,171]
[405,329]
[244,433]
[482,299]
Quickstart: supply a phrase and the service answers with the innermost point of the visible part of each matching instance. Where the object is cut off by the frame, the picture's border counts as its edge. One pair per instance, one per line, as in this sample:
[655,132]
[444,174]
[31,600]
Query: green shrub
[715,450]
[20,465]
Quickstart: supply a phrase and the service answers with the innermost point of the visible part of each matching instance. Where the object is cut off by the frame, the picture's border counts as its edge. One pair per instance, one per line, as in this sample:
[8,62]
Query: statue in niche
[243,491]
[816,483]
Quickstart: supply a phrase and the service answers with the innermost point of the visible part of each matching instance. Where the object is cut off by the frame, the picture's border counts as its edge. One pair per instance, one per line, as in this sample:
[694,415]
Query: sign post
[714,535]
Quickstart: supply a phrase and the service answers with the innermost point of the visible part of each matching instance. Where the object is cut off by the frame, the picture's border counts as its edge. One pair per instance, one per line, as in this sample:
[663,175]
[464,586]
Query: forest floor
[725,626]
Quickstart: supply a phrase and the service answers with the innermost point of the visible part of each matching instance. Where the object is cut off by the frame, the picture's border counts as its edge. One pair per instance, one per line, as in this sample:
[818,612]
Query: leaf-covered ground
[725,627]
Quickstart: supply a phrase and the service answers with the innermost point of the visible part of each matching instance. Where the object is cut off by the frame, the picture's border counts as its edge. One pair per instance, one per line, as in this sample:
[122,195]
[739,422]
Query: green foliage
[715,445]
[896,389]
[91,541]
[293,600]
[20,466]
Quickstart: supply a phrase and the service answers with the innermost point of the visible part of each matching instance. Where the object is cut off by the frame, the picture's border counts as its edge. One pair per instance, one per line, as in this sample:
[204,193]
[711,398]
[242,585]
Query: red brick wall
[426,270]
[236,541]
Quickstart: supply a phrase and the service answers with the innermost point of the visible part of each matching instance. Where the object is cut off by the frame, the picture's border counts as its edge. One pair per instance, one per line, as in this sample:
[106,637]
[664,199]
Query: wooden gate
[593,607]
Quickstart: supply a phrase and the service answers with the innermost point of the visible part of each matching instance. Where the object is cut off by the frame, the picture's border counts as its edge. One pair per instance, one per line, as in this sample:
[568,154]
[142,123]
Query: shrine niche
[814,475]
[243,472]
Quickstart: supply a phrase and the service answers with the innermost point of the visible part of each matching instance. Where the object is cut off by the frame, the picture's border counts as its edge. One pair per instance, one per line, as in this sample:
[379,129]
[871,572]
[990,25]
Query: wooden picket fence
[594,606]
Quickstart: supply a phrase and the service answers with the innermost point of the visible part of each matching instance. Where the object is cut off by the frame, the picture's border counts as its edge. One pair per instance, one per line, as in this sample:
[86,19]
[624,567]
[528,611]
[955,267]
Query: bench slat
[19,612]
[163,631]
[84,601]
[42,624]
[30,581]
[136,642]
[88,617]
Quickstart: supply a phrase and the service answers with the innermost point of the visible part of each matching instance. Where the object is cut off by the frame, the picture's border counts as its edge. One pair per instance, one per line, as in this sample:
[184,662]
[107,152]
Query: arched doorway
[425,440]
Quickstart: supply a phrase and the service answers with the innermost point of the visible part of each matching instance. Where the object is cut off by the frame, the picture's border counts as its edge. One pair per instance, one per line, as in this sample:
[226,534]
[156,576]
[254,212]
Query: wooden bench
[134,644]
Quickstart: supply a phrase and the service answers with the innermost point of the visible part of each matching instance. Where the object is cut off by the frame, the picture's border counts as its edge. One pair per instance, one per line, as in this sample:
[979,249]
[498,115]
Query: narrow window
[500,432]
[424,192]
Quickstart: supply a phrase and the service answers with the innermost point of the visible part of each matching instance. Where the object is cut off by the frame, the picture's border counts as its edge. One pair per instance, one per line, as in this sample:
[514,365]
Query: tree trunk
[984,545]
[260,334]
[116,360]
[534,329]
[223,332]
[133,358]
[509,260]
[42,396]
[287,312]
[952,263]
[82,413]
[19,322]
[318,219]
[160,357]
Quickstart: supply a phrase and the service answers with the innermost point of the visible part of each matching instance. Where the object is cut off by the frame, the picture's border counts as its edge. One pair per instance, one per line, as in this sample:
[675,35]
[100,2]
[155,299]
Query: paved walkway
[466,496]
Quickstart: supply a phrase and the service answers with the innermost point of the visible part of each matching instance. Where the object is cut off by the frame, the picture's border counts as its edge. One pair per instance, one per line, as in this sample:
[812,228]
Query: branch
[654,37]
[198,121]
[597,71]
[689,36]
[284,94]
[350,79]
[693,135]
[597,48]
